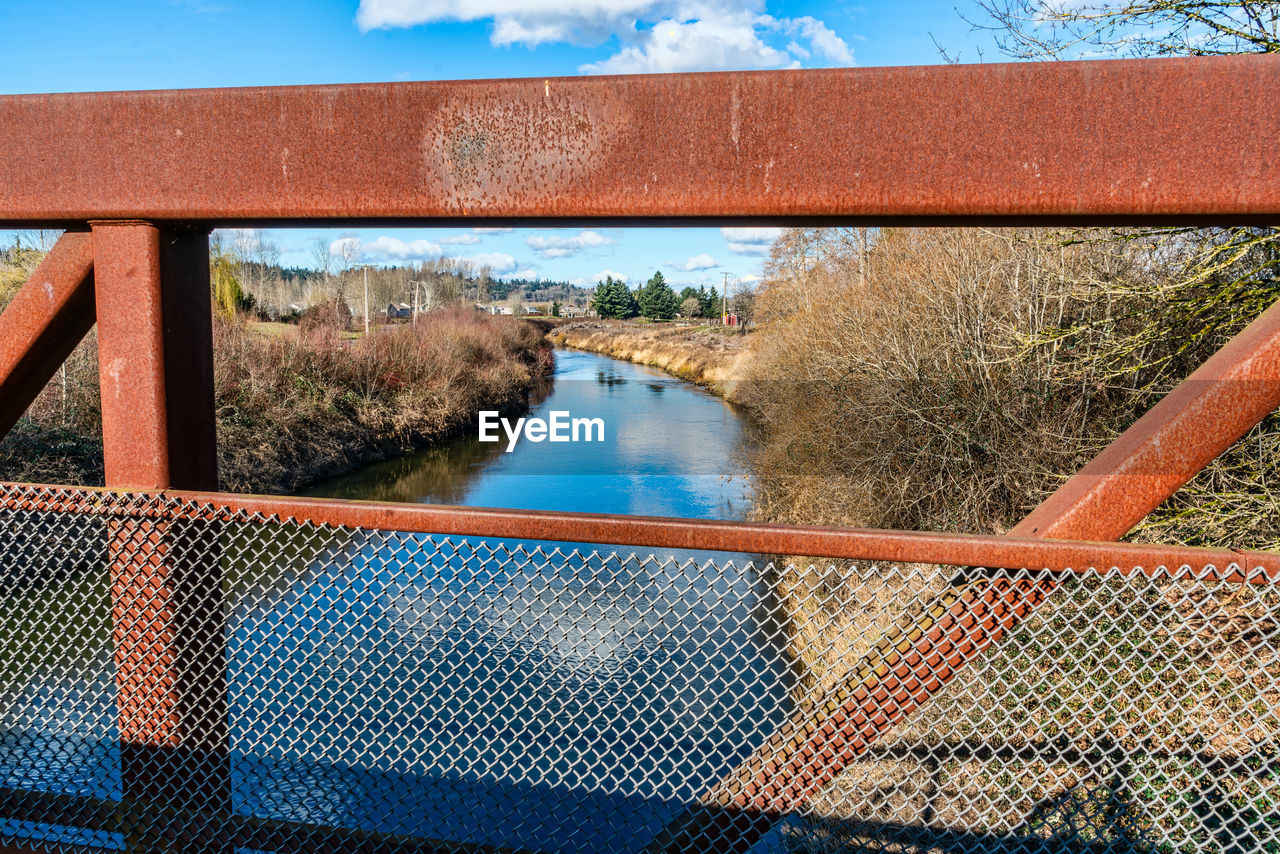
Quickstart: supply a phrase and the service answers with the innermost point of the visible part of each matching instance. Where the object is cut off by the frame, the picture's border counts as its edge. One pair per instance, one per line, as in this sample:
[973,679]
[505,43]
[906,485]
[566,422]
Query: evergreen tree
[611,298]
[710,305]
[657,300]
[555,308]
[631,308]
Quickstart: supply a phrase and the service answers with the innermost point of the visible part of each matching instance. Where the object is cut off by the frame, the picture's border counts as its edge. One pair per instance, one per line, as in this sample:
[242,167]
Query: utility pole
[724,301]
[366,301]
[416,303]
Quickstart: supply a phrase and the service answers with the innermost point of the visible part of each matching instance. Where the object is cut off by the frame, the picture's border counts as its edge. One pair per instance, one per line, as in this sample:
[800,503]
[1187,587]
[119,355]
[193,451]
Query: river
[670,449]
[530,695]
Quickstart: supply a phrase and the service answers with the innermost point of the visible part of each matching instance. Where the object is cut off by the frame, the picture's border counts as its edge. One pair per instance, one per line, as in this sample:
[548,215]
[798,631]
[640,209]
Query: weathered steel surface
[862,544]
[752,538]
[155,350]
[1115,141]
[43,323]
[1234,390]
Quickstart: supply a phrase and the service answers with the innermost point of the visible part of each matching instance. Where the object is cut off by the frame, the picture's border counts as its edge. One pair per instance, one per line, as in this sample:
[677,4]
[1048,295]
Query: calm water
[523,694]
[670,449]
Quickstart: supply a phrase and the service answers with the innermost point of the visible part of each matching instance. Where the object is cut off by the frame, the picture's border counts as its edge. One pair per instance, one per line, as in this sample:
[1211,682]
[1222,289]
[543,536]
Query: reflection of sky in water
[566,703]
[668,451]
[544,700]
[395,684]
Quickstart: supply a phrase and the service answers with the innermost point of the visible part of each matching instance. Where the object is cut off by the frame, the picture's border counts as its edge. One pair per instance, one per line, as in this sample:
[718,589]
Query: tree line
[656,300]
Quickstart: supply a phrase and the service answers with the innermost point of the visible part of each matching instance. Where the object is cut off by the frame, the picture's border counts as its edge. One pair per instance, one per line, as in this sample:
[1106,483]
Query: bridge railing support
[156,363]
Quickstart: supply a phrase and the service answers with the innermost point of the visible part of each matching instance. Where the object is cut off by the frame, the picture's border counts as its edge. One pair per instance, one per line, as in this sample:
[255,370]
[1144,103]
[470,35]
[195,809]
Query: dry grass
[294,408]
[297,408]
[706,355]
[901,395]
[948,380]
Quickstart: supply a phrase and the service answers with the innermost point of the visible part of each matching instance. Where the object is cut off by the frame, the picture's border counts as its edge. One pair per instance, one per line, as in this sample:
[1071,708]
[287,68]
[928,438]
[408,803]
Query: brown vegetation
[710,356]
[298,406]
[948,379]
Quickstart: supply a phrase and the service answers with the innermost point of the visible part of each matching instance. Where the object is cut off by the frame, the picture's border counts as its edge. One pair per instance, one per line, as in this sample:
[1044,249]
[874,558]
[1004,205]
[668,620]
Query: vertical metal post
[156,361]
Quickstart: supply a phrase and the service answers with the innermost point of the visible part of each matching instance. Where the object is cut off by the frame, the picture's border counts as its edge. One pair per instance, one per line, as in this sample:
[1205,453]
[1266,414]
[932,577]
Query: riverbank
[296,408]
[711,356]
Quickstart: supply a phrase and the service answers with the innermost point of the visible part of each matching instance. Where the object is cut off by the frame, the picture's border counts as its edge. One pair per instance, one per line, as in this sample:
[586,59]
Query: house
[398,311]
[530,309]
[571,311]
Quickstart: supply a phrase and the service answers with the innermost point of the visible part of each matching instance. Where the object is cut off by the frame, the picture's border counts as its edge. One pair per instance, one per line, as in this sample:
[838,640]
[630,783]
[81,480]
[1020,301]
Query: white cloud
[599,277]
[726,40]
[563,247]
[493,230]
[657,35]
[528,22]
[821,38]
[464,239]
[698,262]
[750,241]
[500,263]
[387,248]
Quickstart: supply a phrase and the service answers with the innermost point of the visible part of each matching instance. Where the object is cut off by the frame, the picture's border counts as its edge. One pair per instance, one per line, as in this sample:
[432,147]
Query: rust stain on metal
[43,323]
[866,544]
[155,352]
[131,354]
[1114,141]
[753,538]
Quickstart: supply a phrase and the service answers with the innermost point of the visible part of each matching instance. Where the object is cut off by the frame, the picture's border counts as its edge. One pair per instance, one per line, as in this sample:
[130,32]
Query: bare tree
[1051,29]
[322,258]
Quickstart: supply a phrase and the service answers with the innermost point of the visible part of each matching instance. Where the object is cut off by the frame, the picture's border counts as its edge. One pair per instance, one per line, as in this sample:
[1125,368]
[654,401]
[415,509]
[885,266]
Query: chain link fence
[179,678]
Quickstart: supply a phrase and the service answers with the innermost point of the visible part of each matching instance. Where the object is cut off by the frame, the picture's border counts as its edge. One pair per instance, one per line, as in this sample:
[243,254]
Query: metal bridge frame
[139,179]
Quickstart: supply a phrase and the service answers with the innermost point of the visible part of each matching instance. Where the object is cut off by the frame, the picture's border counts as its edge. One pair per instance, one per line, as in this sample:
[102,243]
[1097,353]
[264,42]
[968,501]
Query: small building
[398,311]
[730,320]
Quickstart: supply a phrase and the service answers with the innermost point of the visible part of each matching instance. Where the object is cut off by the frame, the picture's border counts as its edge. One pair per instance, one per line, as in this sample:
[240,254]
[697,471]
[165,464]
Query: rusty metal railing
[192,671]
[394,688]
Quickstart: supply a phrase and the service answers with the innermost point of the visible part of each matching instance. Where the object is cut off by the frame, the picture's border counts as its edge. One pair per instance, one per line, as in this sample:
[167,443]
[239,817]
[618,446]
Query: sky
[73,46]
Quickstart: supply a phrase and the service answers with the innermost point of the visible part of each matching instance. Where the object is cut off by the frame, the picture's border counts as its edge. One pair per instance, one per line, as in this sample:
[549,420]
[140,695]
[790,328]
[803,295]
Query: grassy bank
[710,356]
[297,407]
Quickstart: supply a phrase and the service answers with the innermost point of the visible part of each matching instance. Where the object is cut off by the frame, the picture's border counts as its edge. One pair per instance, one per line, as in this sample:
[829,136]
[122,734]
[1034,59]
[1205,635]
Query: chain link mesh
[175,678]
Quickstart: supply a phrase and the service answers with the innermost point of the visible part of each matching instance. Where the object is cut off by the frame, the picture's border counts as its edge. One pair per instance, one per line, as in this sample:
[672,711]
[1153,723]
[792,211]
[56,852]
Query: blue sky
[167,44]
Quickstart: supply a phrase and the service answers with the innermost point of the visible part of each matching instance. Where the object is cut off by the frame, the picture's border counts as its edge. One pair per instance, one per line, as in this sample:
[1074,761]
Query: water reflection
[524,694]
[563,702]
[668,450]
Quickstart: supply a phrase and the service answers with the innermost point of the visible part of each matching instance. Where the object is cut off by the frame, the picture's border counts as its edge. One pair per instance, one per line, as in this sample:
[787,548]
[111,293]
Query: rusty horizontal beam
[1103,141]
[661,533]
[43,323]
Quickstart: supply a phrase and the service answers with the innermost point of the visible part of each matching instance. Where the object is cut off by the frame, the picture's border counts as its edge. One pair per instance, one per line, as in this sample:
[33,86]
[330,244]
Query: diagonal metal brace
[47,318]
